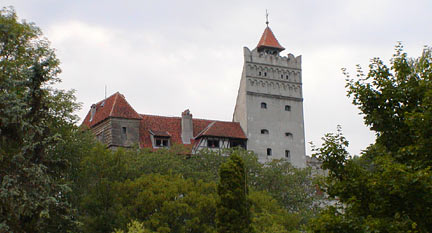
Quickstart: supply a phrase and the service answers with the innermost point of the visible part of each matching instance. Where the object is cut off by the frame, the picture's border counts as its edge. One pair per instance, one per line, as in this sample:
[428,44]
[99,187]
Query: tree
[33,121]
[389,187]
[233,209]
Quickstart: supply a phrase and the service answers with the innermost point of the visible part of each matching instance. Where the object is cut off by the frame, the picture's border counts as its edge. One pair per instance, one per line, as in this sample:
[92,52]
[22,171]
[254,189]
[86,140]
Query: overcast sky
[167,56]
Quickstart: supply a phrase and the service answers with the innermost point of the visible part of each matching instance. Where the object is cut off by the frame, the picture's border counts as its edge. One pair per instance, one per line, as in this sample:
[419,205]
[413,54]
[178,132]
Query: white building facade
[269,104]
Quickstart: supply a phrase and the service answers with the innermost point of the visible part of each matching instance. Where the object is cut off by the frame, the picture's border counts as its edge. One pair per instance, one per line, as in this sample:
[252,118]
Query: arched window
[264,131]
[259,73]
[263,105]
[269,151]
[288,134]
[287,108]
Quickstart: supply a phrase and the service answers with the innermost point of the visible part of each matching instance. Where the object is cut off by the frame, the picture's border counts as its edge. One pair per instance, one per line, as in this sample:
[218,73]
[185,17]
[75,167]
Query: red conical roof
[269,40]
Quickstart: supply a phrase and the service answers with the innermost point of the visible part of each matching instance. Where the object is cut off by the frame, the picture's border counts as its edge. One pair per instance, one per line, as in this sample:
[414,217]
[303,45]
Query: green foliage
[35,123]
[233,208]
[388,188]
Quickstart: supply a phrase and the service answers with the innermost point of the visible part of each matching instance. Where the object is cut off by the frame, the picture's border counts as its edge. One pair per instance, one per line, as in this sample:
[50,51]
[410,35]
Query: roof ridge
[114,103]
[205,129]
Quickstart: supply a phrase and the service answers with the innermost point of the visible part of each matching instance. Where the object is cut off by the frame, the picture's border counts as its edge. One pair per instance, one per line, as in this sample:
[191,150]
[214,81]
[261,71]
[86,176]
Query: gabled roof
[172,126]
[113,106]
[269,40]
[223,129]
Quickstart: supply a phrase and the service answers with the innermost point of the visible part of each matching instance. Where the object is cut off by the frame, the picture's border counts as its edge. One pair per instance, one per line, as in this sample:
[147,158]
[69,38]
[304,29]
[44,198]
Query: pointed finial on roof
[267,22]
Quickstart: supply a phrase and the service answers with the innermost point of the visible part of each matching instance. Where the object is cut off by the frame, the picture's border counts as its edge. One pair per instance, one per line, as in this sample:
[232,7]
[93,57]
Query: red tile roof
[269,40]
[113,106]
[172,126]
[117,106]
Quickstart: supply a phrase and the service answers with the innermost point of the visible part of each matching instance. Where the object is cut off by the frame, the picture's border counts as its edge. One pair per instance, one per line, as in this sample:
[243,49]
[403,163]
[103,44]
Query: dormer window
[161,141]
[212,143]
[264,131]
[263,105]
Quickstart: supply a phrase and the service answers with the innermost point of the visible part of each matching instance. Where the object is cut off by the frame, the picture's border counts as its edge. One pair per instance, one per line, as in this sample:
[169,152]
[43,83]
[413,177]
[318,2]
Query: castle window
[124,133]
[269,151]
[237,143]
[286,76]
[264,131]
[213,143]
[161,142]
[281,75]
[259,73]
[288,134]
[265,74]
[287,154]
[263,105]
[287,108]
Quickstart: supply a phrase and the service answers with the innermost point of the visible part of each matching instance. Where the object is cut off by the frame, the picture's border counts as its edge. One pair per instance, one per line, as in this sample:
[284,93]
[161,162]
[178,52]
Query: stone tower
[269,103]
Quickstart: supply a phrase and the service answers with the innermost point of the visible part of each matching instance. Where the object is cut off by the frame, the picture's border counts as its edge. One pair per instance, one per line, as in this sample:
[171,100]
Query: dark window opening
[281,75]
[287,108]
[161,142]
[259,73]
[124,133]
[237,143]
[265,74]
[286,77]
[263,105]
[287,154]
[264,131]
[213,143]
[288,134]
[269,151]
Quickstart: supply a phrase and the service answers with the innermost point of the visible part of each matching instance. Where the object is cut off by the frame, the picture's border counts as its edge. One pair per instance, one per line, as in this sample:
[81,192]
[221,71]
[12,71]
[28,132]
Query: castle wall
[276,82]
[103,131]
[125,132]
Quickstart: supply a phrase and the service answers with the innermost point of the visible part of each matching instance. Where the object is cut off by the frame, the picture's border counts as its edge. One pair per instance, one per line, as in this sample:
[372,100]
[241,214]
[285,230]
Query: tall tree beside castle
[233,209]
[388,188]
[33,188]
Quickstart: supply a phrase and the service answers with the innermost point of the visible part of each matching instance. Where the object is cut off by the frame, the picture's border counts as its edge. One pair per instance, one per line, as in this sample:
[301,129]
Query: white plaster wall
[279,84]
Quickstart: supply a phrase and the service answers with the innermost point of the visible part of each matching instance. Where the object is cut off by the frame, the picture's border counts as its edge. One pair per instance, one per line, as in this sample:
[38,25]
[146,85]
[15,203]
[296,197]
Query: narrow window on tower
[263,105]
[264,131]
[124,133]
[287,108]
[287,154]
[288,134]
[259,73]
[269,151]
[265,74]
[281,75]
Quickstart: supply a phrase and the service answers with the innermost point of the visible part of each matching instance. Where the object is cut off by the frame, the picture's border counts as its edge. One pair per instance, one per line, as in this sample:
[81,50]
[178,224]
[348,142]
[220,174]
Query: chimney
[187,127]
[92,111]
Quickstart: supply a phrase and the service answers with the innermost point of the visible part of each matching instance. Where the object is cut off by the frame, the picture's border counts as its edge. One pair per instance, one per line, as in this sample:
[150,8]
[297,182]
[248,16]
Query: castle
[267,119]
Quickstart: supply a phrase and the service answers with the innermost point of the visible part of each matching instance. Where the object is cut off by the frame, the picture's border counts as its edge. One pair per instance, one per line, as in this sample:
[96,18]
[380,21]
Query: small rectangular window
[269,151]
[124,133]
[263,105]
[212,143]
[287,108]
[161,142]
[287,154]
[264,131]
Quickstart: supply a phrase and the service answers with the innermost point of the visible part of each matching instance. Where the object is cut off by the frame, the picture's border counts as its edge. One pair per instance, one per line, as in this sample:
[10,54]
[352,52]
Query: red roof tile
[268,39]
[172,126]
[113,106]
